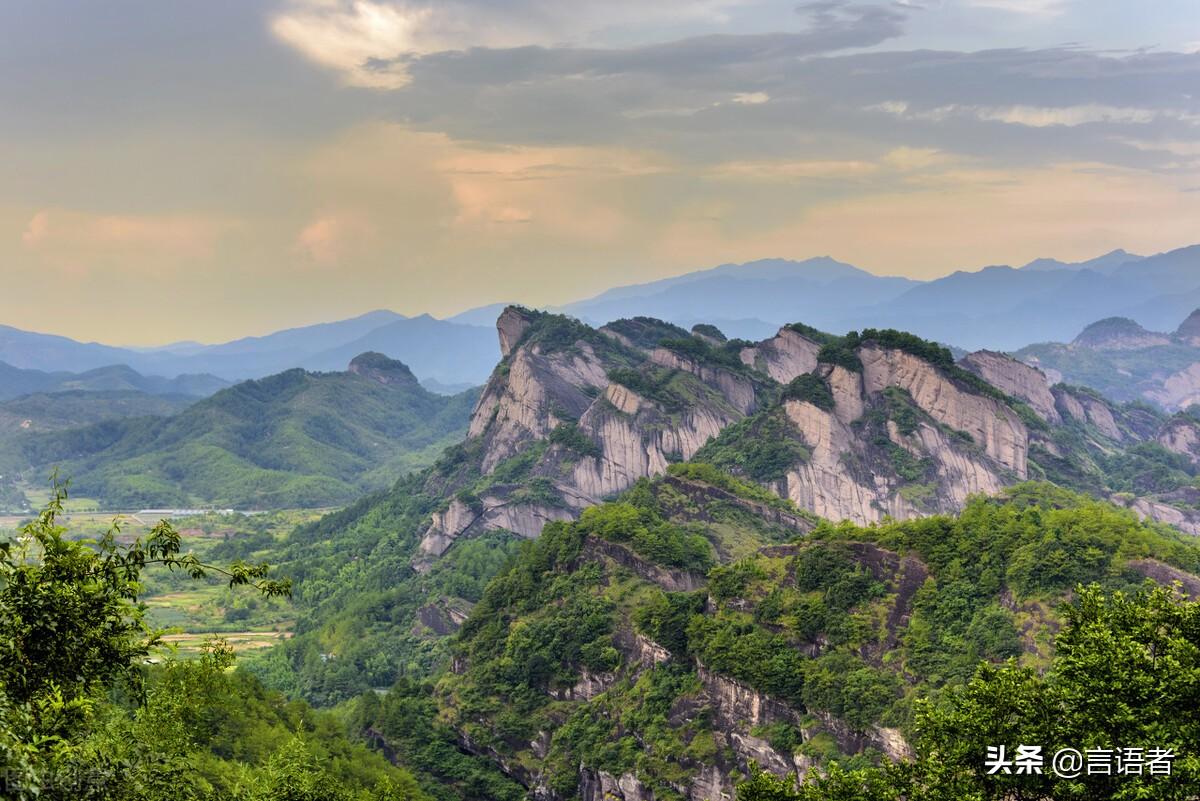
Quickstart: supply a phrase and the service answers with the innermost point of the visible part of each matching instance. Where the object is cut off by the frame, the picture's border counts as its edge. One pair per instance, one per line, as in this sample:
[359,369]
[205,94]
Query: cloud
[917,158]
[1033,8]
[78,232]
[751,98]
[356,38]
[787,171]
[1035,116]
[37,230]
[328,239]
[690,98]
[376,43]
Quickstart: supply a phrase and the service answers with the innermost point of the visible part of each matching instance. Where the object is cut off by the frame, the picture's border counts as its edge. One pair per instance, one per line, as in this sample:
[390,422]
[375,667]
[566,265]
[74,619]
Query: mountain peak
[512,324]
[1118,333]
[1106,263]
[1189,329]
[382,370]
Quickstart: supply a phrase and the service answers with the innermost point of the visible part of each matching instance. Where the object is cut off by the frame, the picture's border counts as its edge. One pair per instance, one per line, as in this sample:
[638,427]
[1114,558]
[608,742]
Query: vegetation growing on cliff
[853,624]
[1123,676]
[762,447]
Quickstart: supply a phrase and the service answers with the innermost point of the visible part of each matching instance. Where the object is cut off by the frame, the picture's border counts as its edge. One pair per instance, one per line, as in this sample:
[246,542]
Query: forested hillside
[290,440]
[668,641]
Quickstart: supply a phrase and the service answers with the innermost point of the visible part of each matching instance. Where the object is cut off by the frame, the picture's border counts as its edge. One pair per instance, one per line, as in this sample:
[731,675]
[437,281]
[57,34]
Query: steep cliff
[1181,435]
[790,353]
[1017,379]
[610,664]
[883,433]
[875,425]
[572,415]
[883,429]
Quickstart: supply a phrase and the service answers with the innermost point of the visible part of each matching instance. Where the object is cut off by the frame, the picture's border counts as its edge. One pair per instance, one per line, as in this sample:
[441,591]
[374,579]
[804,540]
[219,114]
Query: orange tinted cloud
[330,238]
[67,231]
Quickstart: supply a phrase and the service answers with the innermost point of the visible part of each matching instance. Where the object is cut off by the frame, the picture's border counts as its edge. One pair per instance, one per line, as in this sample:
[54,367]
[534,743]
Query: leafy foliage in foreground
[1126,675]
[85,714]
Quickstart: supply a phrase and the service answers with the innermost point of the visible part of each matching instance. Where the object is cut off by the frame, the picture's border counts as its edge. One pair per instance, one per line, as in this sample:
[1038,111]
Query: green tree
[71,635]
[1126,675]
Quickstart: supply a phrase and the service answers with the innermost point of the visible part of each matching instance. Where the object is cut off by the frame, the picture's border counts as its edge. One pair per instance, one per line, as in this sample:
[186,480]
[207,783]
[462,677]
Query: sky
[205,171]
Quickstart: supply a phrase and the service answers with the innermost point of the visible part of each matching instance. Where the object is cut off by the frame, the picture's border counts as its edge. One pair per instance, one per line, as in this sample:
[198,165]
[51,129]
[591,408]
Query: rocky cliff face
[1017,379]
[1178,390]
[1087,409]
[573,415]
[992,425]
[787,355]
[1181,435]
[847,478]
[556,376]
[535,393]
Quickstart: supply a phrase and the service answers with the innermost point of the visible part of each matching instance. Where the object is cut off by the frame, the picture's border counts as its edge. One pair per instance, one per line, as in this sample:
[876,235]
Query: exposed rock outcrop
[1187,521]
[1015,378]
[601,786]
[1178,390]
[1181,435]
[511,326]
[1083,407]
[441,618]
[537,392]
[783,357]
[494,512]
[737,390]
[1167,575]
[837,481]
[991,424]
[596,549]
[637,396]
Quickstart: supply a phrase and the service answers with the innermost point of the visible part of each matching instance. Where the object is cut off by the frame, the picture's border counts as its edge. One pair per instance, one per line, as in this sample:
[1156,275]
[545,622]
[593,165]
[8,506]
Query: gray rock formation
[1087,409]
[1179,390]
[635,396]
[1181,435]
[1015,378]
[783,357]
[992,425]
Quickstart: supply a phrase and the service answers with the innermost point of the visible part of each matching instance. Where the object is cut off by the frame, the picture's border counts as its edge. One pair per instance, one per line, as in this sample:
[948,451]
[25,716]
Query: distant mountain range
[295,439]
[17,381]
[999,307]
[444,353]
